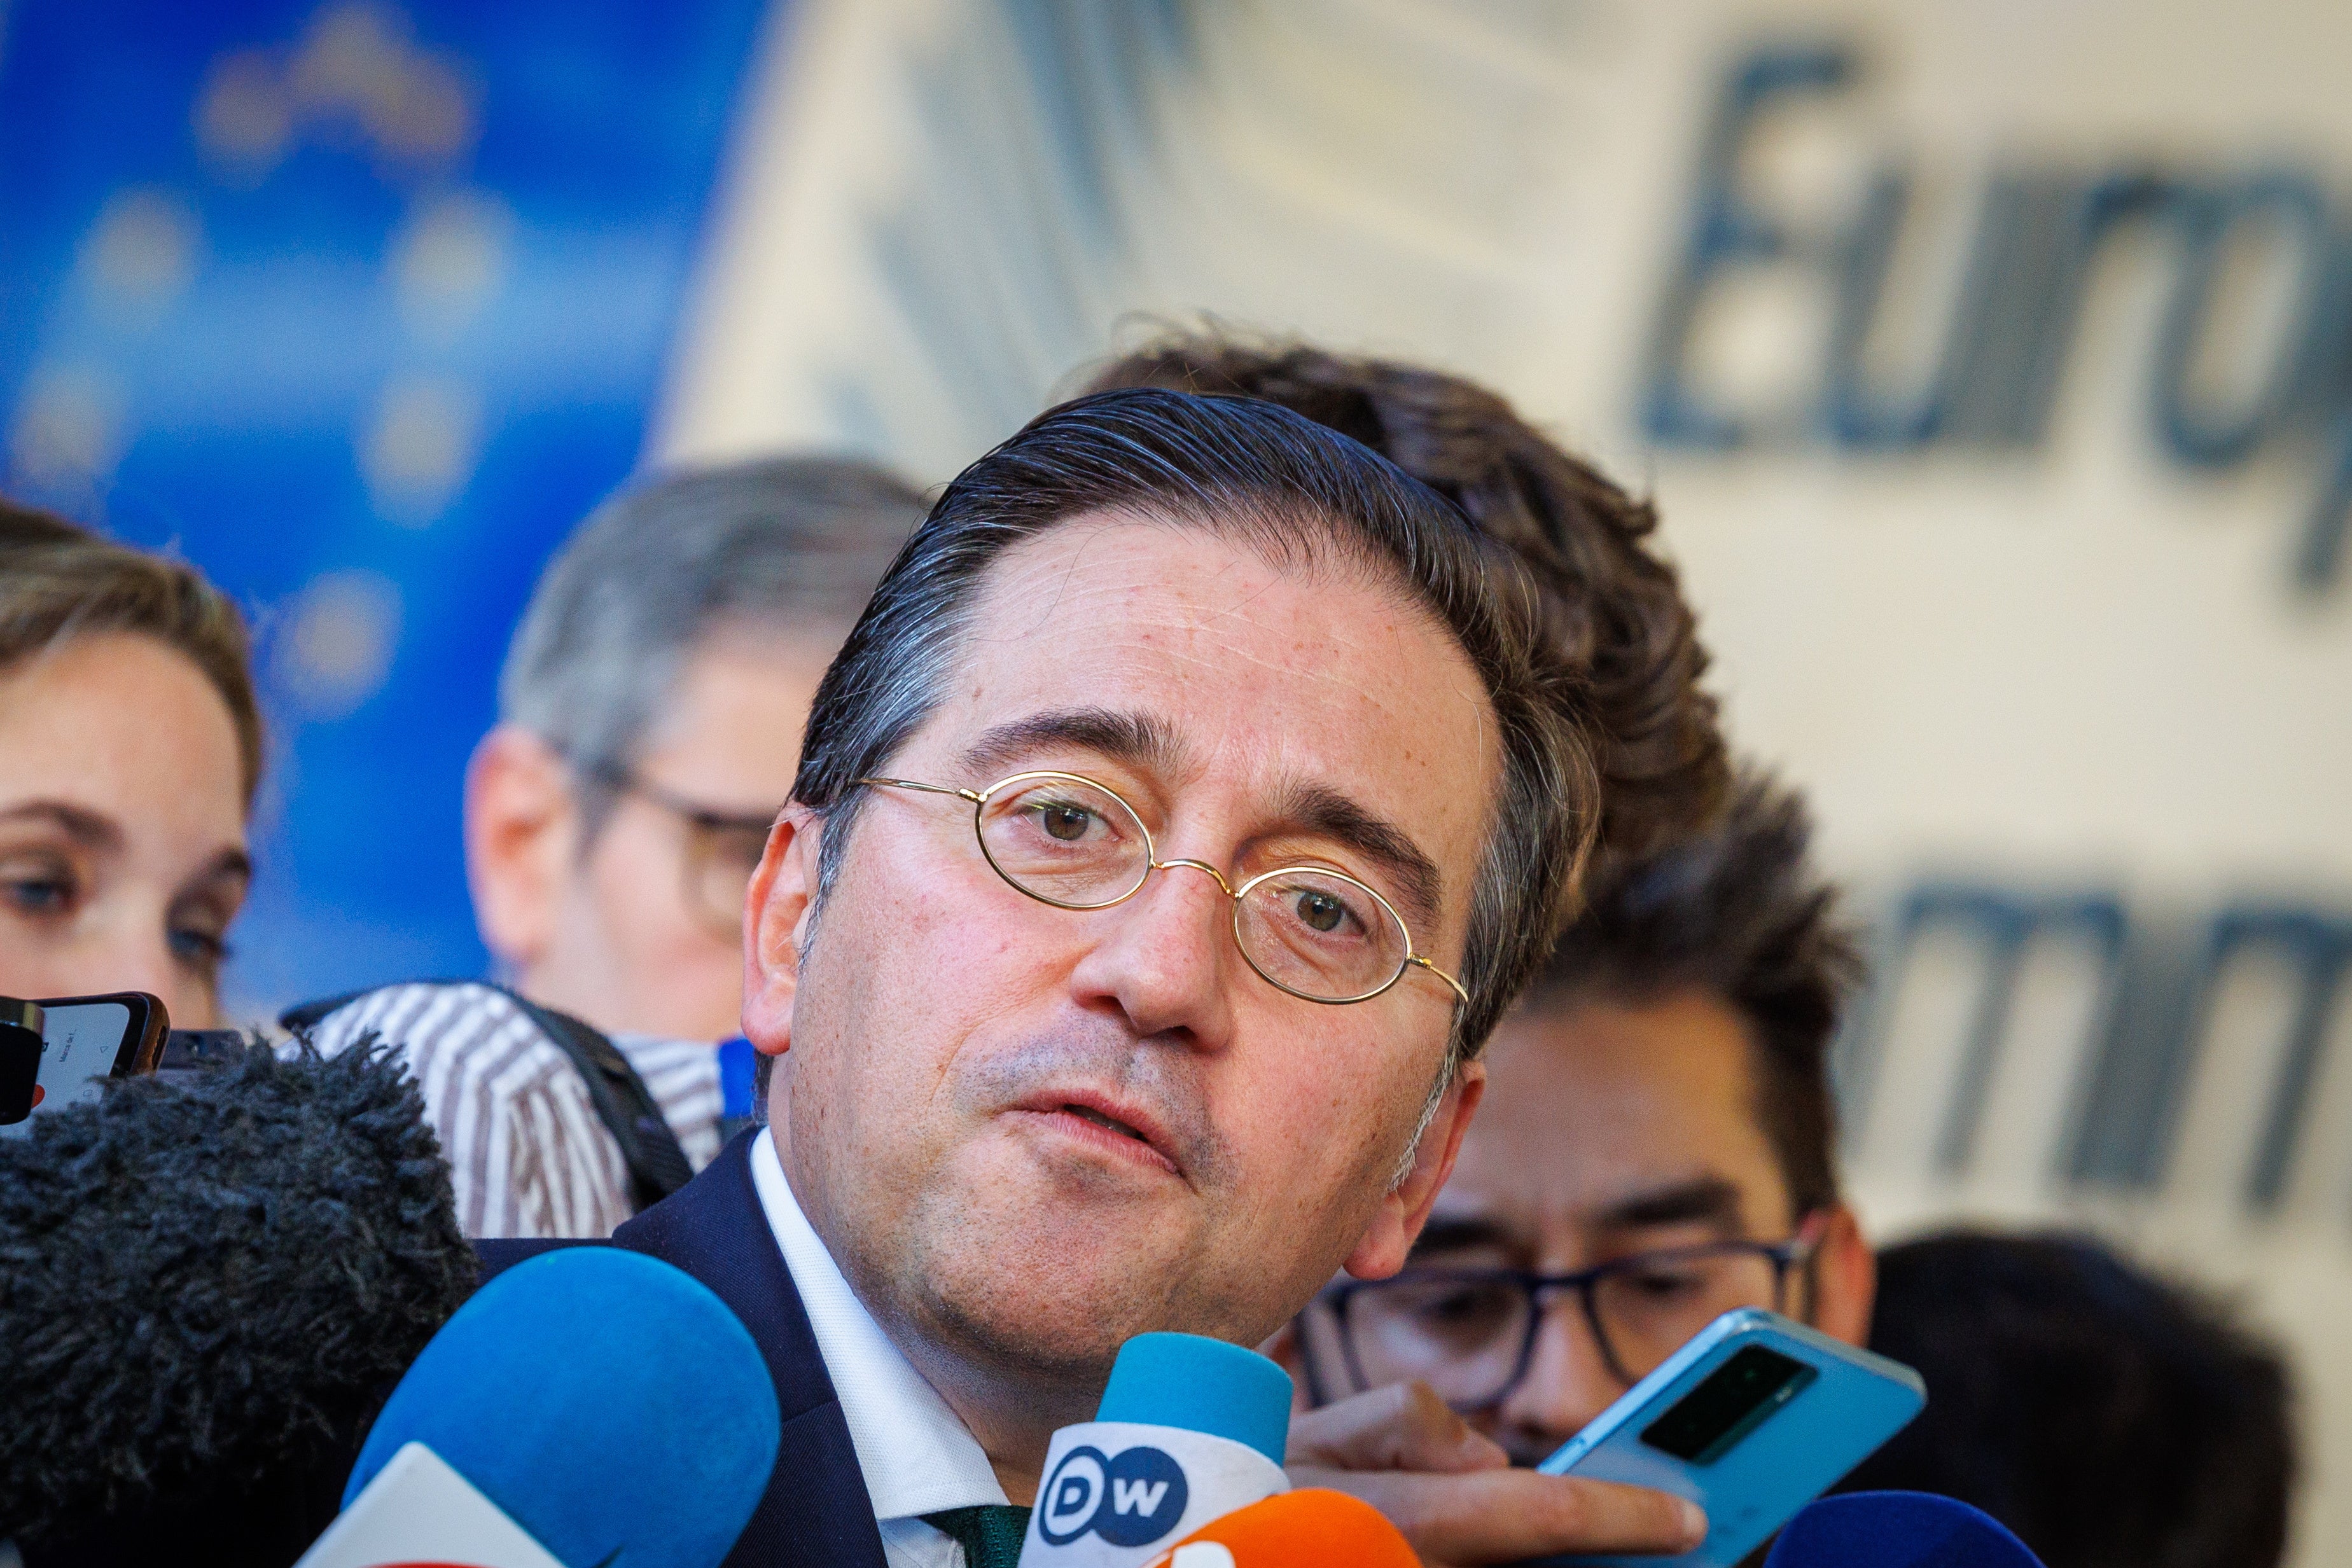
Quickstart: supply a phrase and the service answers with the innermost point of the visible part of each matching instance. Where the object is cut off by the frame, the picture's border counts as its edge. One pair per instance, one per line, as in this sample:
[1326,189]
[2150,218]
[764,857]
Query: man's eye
[1310,906]
[1662,1284]
[740,850]
[1465,1304]
[1320,911]
[1064,821]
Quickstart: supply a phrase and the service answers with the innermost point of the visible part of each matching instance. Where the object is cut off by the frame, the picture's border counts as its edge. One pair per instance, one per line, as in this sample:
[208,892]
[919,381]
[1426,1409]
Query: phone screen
[80,1045]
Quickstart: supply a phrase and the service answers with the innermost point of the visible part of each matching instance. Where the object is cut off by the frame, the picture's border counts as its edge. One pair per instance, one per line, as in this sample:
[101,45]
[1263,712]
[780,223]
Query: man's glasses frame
[1787,1258]
[705,826]
[1151,862]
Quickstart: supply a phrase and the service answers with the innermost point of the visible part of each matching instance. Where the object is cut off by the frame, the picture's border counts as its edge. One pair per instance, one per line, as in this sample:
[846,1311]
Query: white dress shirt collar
[917,1455]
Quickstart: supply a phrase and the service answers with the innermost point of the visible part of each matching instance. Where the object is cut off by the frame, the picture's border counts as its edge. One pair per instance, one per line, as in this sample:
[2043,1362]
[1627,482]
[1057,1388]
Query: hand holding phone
[1754,1419]
[56,1052]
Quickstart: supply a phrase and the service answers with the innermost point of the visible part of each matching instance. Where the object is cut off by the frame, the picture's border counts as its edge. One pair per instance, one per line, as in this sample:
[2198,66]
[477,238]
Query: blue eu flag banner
[359,307]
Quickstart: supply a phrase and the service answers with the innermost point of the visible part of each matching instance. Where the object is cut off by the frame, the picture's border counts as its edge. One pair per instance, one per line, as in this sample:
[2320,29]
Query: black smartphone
[56,1051]
[190,1053]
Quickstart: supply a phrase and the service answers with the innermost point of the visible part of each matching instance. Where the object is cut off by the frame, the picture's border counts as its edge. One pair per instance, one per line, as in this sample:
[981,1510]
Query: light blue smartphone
[1752,1419]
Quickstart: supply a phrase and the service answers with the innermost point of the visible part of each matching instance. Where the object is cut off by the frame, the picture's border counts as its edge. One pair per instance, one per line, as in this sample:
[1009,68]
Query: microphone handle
[419,1511]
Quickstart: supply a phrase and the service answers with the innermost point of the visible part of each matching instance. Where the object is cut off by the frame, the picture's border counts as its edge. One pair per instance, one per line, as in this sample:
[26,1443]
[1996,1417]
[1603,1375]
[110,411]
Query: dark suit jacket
[816,1512]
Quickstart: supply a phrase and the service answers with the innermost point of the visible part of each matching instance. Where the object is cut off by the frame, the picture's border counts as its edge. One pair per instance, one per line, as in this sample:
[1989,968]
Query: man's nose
[1568,1383]
[1164,958]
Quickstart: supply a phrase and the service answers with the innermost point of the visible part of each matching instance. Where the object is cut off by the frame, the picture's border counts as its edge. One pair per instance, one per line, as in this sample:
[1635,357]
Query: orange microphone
[1304,1529]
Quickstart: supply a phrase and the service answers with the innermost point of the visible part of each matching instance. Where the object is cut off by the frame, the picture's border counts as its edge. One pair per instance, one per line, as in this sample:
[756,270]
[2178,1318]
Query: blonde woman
[129,750]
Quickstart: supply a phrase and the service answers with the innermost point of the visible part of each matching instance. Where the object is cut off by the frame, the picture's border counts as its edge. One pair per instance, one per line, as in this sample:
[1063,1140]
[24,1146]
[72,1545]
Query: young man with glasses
[1190,800]
[1653,1149]
[650,714]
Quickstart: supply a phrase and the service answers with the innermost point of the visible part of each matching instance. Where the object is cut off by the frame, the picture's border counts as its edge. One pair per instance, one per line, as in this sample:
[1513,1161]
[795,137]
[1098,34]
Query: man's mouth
[1088,1114]
[1112,1130]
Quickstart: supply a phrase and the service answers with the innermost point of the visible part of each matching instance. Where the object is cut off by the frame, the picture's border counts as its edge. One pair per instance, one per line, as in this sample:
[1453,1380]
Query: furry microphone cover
[207,1289]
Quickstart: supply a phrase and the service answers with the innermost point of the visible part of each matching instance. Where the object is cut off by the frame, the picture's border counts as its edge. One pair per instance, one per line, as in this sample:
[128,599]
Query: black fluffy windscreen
[207,1289]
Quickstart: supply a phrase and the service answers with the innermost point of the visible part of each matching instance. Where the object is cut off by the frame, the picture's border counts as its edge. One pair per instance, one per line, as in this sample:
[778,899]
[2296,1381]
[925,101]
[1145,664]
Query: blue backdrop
[359,307]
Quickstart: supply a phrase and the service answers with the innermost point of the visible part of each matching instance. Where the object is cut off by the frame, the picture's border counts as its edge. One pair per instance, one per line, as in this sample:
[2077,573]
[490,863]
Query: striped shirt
[526,1153]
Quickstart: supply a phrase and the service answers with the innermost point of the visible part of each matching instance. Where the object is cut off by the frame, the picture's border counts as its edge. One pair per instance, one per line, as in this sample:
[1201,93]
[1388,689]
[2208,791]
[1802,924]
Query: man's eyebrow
[1703,1199]
[85,827]
[1135,738]
[1441,1236]
[1142,741]
[1417,882]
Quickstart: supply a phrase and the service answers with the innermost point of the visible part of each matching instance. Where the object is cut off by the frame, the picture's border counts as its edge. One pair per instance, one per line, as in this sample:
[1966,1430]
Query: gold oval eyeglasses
[1067,840]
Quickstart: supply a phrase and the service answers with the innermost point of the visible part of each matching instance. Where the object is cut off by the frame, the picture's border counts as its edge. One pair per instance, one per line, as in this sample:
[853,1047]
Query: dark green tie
[990,1534]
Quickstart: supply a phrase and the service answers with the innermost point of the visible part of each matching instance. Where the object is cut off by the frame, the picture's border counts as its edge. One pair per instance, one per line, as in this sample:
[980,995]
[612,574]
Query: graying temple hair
[1296,493]
[782,543]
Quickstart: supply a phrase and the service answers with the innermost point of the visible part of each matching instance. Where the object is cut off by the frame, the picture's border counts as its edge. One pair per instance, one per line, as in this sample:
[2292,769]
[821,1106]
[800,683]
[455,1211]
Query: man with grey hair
[650,718]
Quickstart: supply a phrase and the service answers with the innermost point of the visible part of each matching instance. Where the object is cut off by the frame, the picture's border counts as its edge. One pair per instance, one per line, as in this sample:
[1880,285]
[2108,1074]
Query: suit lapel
[816,1512]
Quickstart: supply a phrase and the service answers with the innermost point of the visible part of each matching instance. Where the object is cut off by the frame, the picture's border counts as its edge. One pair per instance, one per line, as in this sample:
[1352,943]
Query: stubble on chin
[1005,1296]
[985,1255]
[1038,1264]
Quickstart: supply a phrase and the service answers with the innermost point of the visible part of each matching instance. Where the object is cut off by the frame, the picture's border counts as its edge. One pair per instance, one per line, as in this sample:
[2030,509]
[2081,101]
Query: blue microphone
[592,1407]
[1189,1429]
[1896,1530]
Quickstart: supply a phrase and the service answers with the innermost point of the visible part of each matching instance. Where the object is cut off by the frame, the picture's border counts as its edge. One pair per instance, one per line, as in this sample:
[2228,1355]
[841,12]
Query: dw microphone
[1189,1429]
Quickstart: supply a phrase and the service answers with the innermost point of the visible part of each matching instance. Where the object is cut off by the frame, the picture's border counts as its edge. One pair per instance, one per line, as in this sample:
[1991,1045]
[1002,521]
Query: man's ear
[777,910]
[1405,1208]
[1845,1279]
[522,838]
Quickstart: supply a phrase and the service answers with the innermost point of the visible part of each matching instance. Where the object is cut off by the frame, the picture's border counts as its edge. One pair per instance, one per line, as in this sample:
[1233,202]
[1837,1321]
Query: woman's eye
[39,892]
[201,950]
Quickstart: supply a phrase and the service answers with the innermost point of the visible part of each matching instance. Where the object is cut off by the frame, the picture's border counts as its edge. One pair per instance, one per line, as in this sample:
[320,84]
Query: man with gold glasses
[1654,1149]
[1180,817]
[1070,842]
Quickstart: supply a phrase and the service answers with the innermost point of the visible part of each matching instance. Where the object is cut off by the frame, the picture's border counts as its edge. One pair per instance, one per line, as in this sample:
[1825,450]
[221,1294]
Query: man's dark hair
[2111,1420]
[1738,912]
[1611,605]
[1300,497]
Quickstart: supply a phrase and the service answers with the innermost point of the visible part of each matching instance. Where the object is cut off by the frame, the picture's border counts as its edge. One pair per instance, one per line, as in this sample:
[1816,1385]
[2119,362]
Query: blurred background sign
[359,307]
[1993,365]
